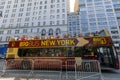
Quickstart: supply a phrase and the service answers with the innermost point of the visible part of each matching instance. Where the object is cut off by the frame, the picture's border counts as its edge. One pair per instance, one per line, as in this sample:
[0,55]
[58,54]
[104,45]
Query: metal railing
[84,70]
[51,69]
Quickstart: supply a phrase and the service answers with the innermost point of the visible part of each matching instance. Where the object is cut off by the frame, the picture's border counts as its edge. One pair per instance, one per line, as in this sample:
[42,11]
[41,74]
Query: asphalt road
[111,74]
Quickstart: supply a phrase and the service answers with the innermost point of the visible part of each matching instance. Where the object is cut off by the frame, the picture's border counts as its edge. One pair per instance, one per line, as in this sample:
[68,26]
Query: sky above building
[72,5]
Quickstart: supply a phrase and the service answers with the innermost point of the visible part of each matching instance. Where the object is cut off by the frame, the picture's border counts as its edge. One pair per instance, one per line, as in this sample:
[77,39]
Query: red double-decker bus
[86,48]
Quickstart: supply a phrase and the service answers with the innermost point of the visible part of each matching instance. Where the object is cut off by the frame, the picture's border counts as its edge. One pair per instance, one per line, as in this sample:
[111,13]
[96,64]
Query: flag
[0,13]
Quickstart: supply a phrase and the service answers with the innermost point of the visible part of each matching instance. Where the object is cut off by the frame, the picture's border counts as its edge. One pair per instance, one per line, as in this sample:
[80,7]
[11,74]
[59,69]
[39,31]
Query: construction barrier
[1,66]
[51,69]
[17,68]
[84,70]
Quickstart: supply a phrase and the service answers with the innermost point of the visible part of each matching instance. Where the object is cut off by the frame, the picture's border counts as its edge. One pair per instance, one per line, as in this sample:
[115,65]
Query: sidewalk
[111,78]
[45,79]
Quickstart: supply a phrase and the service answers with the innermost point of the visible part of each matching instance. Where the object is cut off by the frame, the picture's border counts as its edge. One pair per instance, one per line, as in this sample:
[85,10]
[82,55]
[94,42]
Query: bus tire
[25,65]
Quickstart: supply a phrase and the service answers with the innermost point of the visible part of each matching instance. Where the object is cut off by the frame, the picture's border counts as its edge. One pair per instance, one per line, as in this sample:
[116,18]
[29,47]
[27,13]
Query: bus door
[105,57]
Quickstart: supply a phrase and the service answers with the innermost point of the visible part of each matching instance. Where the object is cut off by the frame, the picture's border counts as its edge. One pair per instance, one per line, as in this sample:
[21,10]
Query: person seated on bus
[66,35]
[24,37]
[31,38]
[57,36]
[52,36]
[43,36]
[96,33]
[80,35]
[74,35]
[90,34]
[16,38]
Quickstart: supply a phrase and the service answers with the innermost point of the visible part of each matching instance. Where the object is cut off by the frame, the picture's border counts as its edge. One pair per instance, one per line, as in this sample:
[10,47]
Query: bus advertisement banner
[93,41]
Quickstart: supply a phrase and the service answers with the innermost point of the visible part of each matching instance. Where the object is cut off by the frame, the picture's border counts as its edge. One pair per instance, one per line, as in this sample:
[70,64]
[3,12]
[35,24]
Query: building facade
[73,24]
[116,4]
[30,17]
[96,15]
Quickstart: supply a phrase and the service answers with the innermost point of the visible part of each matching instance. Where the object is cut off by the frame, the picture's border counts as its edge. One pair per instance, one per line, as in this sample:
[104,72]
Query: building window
[38,30]
[52,1]
[15,6]
[31,30]
[1,38]
[22,5]
[7,38]
[8,6]
[43,32]
[58,0]
[38,23]
[14,10]
[26,24]
[4,20]
[16,31]
[6,15]
[63,10]
[1,32]
[45,2]
[58,16]
[29,4]
[9,32]
[16,1]
[32,23]
[45,7]
[28,14]
[50,31]
[28,9]
[58,31]
[58,10]
[40,2]
[18,25]
[22,0]
[24,30]
[20,14]
[58,22]
[19,19]
[40,7]
[63,21]
[58,5]
[44,23]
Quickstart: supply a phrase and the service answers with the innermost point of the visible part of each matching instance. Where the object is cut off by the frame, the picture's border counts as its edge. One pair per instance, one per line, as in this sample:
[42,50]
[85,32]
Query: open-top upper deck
[80,41]
[103,39]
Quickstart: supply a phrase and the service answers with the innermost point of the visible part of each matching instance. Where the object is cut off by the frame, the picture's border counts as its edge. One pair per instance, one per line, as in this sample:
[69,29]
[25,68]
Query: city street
[111,74]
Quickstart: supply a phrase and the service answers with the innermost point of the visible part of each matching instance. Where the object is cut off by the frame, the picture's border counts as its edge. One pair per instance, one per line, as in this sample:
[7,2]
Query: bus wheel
[25,65]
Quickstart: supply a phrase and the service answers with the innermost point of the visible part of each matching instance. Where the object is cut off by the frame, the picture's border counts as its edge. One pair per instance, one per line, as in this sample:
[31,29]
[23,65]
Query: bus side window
[70,53]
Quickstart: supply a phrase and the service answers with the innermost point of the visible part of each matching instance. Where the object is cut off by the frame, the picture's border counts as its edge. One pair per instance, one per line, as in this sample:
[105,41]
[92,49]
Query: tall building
[116,5]
[96,15]
[74,24]
[33,17]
